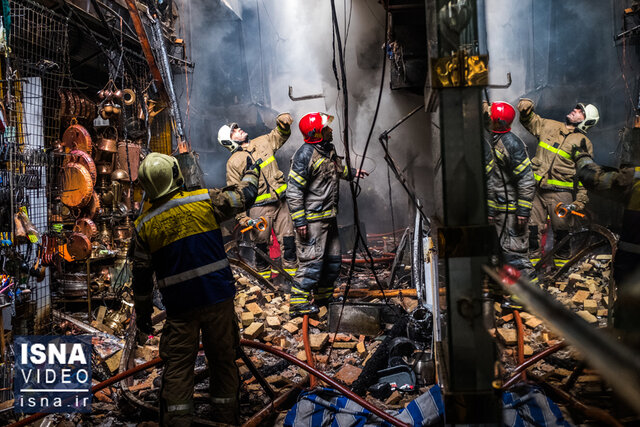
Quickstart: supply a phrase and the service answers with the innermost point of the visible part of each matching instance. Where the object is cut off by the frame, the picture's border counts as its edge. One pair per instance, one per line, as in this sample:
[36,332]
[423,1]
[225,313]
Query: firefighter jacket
[553,167]
[622,186]
[272,185]
[510,182]
[314,183]
[179,239]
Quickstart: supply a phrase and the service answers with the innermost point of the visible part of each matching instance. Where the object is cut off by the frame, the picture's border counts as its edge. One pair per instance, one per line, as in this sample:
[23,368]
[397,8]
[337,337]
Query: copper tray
[86,227]
[79,246]
[77,186]
[82,158]
[76,137]
[93,207]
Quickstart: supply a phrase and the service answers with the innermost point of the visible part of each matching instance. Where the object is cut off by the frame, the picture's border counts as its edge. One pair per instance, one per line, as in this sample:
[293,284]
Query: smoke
[243,72]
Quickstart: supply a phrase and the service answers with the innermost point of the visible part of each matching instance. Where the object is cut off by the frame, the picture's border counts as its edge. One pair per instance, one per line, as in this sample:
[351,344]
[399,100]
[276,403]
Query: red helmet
[311,126]
[502,115]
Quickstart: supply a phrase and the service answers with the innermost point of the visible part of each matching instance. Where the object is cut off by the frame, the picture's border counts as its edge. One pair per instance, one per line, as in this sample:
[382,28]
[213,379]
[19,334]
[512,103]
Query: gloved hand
[302,232]
[579,151]
[575,206]
[252,168]
[284,121]
[525,106]
[244,222]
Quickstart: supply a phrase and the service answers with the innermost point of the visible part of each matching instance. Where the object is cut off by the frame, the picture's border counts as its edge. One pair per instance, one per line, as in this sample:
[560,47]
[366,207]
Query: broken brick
[591,306]
[254,308]
[348,374]
[509,336]
[254,330]
[291,327]
[246,318]
[533,322]
[273,321]
[580,296]
[587,316]
[318,341]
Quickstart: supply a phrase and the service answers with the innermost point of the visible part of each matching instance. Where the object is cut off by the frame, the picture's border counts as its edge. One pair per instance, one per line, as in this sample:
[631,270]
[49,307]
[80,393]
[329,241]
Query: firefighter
[178,238]
[312,195]
[622,186]
[270,202]
[555,172]
[510,186]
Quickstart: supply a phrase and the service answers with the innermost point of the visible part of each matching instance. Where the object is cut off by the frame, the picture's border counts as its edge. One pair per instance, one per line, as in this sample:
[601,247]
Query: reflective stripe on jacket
[187,253]
[552,165]
[510,182]
[314,188]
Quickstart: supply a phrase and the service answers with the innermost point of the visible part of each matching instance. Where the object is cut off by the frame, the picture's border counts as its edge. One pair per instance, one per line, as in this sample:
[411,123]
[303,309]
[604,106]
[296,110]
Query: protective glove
[575,206]
[525,106]
[580,151]
[244,222]
[284,121]
[303,232]
[252,168]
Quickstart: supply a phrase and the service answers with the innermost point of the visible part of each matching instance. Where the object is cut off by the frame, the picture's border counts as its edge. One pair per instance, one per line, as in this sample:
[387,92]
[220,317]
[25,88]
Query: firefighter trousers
[278,220]
[320,258]
[178,349]
[514,241]
[544,204]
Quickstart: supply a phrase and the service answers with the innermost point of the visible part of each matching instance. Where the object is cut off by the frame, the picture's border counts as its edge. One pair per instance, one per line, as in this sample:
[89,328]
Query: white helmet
[224,137]
[591,117]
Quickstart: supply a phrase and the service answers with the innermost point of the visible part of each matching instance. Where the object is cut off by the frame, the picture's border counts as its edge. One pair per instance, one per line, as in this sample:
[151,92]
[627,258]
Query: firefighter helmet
[160,175]
[311,126]
[591,117]
[224,137]
[502,115]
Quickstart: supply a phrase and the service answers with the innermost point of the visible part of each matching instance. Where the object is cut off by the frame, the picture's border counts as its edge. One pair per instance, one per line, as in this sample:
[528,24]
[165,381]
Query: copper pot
[86,227]
[107,144]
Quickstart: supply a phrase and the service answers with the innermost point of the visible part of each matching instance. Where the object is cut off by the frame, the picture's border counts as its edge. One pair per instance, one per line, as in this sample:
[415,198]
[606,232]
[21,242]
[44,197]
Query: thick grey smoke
[251,62]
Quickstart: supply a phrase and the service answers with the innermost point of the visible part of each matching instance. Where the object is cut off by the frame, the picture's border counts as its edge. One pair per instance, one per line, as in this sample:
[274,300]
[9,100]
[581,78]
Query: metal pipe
[616,363]
[80,324]
[342,389]
[346,260]
[402,120]
[164,61]
[307,348]
[520,331]
[530,361]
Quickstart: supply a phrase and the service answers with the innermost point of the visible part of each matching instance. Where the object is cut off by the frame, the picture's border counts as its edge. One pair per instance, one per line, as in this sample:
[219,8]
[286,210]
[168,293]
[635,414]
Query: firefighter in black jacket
[312,195]
[510,186]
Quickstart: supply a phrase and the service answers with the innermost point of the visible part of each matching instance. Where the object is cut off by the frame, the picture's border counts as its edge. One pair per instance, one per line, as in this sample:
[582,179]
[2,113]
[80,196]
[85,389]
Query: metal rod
[616,363]
[168,84]
[402,120]
[303,98]
[258,376]
[342,389]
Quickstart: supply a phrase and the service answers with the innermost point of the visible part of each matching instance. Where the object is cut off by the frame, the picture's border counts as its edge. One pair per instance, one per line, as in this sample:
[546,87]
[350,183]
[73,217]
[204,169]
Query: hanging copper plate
[77,186]
[76,137]
[63,103]
[82,158]
[79,246]
[76,101]
[86,227]
[71,103]
[92,208]
[133,158]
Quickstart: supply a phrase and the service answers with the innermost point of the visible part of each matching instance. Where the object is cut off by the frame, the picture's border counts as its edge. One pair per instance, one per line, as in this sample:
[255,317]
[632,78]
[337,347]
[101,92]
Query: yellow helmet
[159,175]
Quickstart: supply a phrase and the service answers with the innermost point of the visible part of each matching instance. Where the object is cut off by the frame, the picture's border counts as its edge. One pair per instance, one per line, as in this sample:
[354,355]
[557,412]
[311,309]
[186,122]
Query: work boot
[298,310]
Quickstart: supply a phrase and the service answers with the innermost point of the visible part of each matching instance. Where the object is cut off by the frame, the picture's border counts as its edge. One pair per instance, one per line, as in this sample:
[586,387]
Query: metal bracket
[303,98]
[503,86]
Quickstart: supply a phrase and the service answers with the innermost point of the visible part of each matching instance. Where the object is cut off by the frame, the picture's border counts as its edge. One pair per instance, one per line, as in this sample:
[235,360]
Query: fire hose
[307,348]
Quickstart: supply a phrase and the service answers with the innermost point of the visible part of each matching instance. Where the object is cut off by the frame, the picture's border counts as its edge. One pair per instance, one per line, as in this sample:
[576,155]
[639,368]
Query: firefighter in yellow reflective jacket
[555,172]
[270,202]
[621,186]
[178,238]
[312,195]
